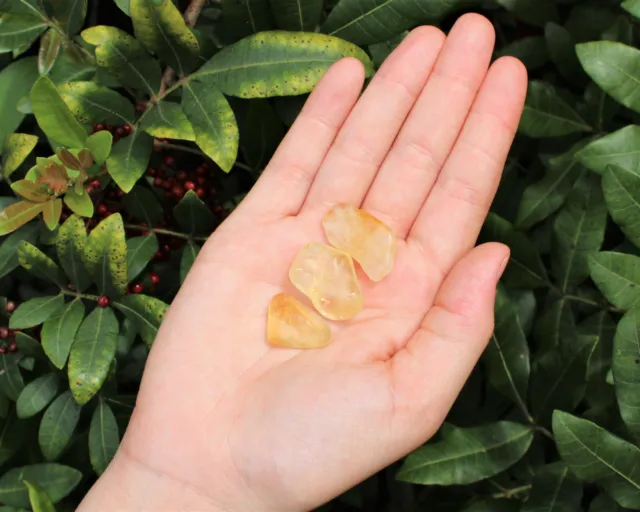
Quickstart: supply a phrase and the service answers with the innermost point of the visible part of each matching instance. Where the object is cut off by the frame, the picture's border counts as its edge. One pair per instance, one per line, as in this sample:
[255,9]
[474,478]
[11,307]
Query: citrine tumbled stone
[328,277]
[291,324]
[364,237]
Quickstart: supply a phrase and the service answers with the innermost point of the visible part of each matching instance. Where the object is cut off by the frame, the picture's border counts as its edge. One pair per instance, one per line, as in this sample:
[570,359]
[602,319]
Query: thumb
[431,370]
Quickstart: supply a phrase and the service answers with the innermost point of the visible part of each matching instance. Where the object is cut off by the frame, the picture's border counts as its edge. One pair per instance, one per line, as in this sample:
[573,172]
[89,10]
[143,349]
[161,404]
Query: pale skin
[224,422]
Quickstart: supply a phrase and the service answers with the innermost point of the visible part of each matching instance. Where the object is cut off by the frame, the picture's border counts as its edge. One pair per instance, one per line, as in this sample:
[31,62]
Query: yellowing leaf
[18,214]
[17,148]
[54,176]
[51,213]
[36,192]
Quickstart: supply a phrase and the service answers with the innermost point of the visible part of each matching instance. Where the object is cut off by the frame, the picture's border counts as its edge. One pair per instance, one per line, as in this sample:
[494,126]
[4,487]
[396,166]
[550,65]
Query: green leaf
[71,13]
[99,144]
[602,503]
[621,189]
[9,247]
[547,115]
[189,254]
[40,265]
[15,80]
[35,311]
[31,191]
[17,147]
[70,243]
[159,25]
[143,205]
[507,355]
[103,437]
[216,131]
[535,12]
[246,17]
[617,275]
[614,67]
[379,20]
[297,15]
[17,30]
[53,115]
[192,214]
[532,51]
[467,455]
[105,256]
[18,214]
[92,352]
[140,251]
[555,324]
[91,103]
[49,51]
[544,197]
[39,499]
[260,134]
[51,212]
[129,159]
[554,489]
[525,268]
[11,382]
[595,455]
[29,347]
[277,63]
[37,395]
[80,205]
[125,58]
[626,370]
[55,479]
[578,232]
[59,331]
[563,53]
[632,7]
[620,148]
[57,425]
[12,436]
[124,6]
[167,121]
[146,314]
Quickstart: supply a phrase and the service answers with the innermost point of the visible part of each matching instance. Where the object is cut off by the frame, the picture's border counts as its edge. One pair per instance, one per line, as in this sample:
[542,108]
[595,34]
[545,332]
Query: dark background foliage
[112,178]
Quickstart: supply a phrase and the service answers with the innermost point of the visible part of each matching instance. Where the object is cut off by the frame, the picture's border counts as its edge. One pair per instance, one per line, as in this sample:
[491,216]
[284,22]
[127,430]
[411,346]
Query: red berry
[13,346]
[216,209]
[156,149]
[137,288]
[181,175]
[166,248]
[3,350]
[103,301]
[100,127]
[140,107]
[4,333]
[201,192]
[10,307]
[120,131]
[169,160]
[158,256]
[95,184]
[189,185]
[201,169]
[167,184]
[127,129]
[155,278]
[151,172]
[158,182]
[121,193]
[177,191]
[102,209]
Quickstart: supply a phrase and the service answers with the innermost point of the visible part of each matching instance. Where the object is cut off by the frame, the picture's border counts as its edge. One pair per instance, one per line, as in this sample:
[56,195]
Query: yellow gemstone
[291,324]
[368,240]
[327,276]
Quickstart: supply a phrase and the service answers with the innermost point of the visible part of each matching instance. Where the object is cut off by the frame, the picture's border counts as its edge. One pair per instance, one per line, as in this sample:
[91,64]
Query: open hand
[226,422]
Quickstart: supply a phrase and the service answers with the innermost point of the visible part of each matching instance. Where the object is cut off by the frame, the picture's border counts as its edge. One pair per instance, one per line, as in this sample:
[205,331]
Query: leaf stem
[117,402]
[166,232]
[584,300]
[545,432]
[79,295]
[511,493]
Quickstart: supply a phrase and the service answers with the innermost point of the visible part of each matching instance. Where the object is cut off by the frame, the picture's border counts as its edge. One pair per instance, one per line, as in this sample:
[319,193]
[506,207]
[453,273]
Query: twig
[545,432]
[510,493]
[166,232]
[584,300]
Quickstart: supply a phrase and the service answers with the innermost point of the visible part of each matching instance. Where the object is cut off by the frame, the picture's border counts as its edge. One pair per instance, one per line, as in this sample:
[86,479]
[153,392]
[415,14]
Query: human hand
[226,422]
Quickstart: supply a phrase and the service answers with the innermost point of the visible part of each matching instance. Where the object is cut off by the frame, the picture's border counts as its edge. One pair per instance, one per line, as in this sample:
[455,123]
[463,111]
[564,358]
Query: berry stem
[167,232]
[78,295]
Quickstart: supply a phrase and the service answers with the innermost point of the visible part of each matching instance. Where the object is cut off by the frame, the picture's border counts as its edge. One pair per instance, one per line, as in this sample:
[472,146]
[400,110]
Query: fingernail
[501,267]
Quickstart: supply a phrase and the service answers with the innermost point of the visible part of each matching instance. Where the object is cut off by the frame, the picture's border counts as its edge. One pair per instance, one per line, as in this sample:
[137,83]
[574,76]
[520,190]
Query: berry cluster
[8,343]
[118,132]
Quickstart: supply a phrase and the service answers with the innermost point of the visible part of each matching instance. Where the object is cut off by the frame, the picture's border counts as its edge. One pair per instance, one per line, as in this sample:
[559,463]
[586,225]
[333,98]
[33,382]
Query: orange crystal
[327,276]
[291,324]
[365,238]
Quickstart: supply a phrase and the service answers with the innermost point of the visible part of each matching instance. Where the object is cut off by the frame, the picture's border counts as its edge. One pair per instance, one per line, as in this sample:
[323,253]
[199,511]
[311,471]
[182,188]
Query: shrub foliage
[130,128]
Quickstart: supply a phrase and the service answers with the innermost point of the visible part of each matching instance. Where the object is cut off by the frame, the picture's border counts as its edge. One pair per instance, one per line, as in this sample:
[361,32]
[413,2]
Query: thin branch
[166,232]
[584,300]
[511,493]
[545,432]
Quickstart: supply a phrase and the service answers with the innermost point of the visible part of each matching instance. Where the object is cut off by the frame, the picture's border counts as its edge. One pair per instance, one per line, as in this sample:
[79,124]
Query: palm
[298,427]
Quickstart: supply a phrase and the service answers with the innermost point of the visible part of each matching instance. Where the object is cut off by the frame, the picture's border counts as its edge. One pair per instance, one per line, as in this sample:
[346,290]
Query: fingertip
[476,28]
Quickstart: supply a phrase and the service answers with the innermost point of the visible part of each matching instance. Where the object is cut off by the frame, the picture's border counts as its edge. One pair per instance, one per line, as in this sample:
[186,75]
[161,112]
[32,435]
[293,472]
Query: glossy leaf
[507,355]
[378,20]
[532,51]
[168,121]
[193,215]
[214,123]
[35,311]
[70,244]
[547,115]
[578,232]
[615,67]
[554,489]
[49,51]
[105,256]
[17,147]
[620,148]
[277,63]
[53,115]
[99,144]
[140,251]
[146,314]
[129,159]
[17,30]
[11,382]
[51,212]
[37,395]
[38,498]
[59,331]
[189,254]
[71,13]
[297,15]
[55,479]
[12,435]
[31,191]
[17,78]
[18,214]
[58,424]
[91,103]
[535,12]
[260,134]
[159,25]
[9,247]
[124,57]
[621,189]
[143,205]
[29,347]
[103,437]
[124,6]
[246,17]
[92,352]
[40,265]
[556,325]
[593,454]
[632,7]
[617,276]
[79,204]
[466,455]
[562,52]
